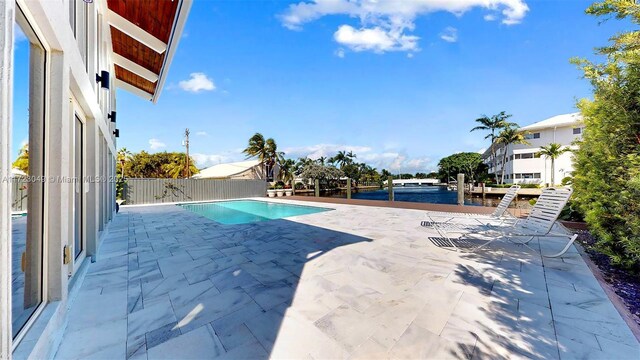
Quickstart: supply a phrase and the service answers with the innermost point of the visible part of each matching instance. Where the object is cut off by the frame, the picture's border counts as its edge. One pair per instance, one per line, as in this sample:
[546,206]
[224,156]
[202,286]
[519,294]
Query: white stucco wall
[562,135]
[70,88]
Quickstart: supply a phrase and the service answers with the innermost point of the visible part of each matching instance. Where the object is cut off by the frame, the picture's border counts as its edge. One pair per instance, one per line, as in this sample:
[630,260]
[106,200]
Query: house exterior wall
[72,62]
[523,166]
[249,174]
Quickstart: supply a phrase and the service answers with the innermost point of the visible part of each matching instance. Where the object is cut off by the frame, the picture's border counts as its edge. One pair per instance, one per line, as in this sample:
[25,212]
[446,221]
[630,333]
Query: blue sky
[399,88]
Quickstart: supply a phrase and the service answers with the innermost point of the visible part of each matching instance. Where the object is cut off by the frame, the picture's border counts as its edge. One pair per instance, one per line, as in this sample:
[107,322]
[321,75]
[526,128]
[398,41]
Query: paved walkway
[358,282]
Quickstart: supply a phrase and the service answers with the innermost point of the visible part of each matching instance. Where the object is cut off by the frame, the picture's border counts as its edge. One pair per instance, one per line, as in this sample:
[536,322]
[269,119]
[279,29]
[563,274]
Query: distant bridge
[415,182]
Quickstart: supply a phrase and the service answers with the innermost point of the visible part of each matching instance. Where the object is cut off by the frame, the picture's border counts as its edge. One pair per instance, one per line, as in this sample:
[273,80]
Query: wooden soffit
[144,35]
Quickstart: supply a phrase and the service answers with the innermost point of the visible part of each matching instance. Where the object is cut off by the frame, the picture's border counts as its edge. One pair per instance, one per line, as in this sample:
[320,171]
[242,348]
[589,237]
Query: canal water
[421,194]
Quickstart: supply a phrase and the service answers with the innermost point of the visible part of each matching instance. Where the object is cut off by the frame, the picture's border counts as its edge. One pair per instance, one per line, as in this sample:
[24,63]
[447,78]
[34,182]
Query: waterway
[421,194]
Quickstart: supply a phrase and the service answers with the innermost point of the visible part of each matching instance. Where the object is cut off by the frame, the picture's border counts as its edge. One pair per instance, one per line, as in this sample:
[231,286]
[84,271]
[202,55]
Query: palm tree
[124,155]
[493,124]
[351,156]
[287,170]
[341,158]
[266,151]
[553,151]
[321,160]
[511,135]
[301,163]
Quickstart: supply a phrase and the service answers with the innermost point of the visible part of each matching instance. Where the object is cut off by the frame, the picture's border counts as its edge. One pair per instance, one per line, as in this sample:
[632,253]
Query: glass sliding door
[27,175]
[78,210]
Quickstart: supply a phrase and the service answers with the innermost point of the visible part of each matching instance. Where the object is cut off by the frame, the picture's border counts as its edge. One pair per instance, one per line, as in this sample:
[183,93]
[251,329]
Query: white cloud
[384,23]
[376,39]
[155,144]
[207,160]
[450,34]
[339,53]
[489,17]
[316,151]
[197,82]
[391,160]
[202,133]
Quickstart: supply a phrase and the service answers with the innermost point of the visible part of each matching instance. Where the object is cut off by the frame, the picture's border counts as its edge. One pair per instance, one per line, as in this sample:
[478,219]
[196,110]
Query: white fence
[157,191]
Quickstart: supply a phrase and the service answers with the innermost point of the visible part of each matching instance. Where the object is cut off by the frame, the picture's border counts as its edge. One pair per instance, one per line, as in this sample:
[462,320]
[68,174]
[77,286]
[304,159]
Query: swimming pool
[248,211]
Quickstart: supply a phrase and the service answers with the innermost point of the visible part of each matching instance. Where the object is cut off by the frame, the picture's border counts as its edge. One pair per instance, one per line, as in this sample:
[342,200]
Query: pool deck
[359,282]
[406,205]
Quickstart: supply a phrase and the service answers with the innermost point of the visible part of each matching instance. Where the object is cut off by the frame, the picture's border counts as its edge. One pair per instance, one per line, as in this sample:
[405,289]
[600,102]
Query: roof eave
[184,7]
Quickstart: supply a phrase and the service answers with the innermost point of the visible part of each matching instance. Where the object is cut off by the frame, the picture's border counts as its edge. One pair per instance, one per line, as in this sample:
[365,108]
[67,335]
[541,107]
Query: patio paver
[357,282]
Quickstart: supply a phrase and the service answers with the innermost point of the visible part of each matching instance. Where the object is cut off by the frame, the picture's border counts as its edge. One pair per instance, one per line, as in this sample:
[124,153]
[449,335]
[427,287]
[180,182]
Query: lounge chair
[499,214]
[538,224]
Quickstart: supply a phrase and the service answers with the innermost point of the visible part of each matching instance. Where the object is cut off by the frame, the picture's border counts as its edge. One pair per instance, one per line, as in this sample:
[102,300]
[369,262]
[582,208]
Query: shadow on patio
[195,288]
[535,307]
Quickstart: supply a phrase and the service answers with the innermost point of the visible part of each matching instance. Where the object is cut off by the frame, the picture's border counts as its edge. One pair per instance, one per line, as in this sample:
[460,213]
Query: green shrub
[607,163]
[120,184]
[567,180]
[530,186]
[299,186]
[571,212]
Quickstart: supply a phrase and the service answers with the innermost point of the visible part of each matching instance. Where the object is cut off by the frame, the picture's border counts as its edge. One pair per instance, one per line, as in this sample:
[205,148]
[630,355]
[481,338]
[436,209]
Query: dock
[499,192]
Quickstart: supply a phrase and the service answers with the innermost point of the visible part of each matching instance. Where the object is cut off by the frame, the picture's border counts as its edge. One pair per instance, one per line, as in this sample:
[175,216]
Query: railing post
[460,189]
[317,188]
[390,187]
[349,188]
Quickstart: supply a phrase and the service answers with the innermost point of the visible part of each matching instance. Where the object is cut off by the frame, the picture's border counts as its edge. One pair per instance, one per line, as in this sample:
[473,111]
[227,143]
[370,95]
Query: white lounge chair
[538,224]
[499,214]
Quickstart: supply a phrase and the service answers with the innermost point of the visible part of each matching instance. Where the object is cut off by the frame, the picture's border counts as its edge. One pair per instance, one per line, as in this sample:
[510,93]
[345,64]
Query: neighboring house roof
[556,121]
[226,170]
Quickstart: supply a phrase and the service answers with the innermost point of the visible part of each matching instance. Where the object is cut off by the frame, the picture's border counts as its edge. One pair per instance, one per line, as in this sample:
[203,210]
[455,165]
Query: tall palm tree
[553,151]
[351,155]
[301,163]
[273,156]
[287,170]
[341,158]
[321,160]
[511,135]
[493,124]
[266,151]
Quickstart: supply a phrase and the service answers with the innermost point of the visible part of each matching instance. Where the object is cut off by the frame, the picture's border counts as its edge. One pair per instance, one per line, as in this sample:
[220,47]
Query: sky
[397,83]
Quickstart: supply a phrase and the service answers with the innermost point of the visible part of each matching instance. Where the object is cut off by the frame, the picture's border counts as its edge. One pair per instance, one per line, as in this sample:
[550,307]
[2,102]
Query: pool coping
[262,200]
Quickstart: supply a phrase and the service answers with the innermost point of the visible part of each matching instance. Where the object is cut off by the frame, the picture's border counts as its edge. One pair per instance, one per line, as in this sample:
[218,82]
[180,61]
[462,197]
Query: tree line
[166,165]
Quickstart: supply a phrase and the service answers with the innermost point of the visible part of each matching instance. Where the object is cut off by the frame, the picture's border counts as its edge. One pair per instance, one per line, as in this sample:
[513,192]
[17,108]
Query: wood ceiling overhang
[144,35]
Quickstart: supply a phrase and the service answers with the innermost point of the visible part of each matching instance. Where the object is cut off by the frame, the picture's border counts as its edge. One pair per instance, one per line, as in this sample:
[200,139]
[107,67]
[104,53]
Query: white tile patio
[354,283]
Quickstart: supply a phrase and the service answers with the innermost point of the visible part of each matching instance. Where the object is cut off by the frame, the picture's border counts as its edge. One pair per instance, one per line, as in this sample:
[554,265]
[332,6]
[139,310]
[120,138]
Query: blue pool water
[247,211]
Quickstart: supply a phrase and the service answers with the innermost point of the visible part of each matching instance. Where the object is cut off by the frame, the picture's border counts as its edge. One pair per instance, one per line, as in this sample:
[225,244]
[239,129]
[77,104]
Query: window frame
[25,20]
[77,114]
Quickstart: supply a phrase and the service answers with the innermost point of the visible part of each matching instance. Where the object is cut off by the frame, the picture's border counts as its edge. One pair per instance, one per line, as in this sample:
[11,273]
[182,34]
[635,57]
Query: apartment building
[523,163]
[60,64]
